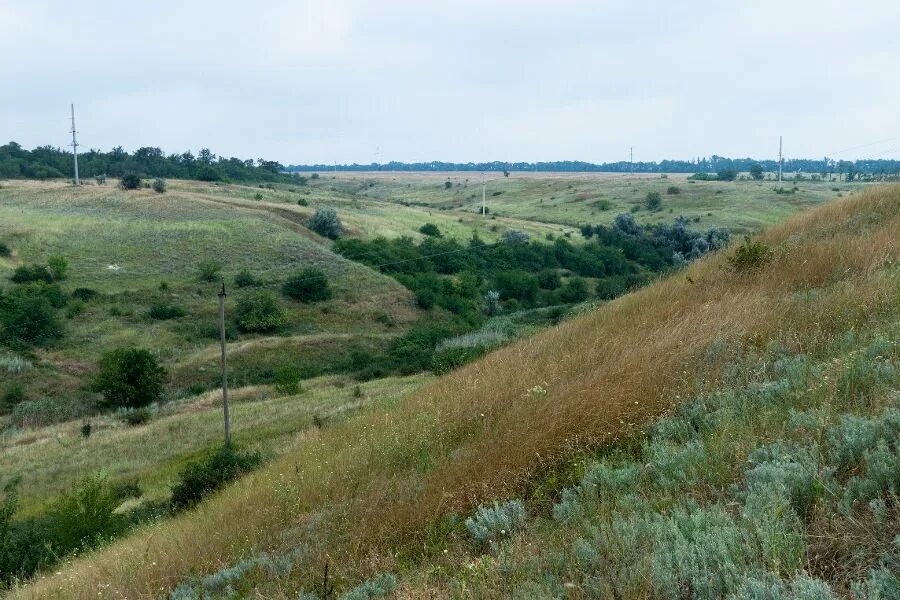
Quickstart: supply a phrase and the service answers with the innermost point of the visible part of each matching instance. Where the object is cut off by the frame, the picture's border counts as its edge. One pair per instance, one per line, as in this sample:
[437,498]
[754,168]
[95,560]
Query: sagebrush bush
[491,524]
[381,586]
[325,222]
[202,477]
[14,364]
[159,185]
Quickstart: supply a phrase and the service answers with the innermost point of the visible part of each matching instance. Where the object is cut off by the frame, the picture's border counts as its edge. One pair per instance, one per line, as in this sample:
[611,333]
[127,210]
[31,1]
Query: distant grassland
[574,198]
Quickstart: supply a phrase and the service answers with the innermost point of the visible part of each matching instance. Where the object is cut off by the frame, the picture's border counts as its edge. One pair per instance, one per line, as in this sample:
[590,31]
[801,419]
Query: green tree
[756,171]
[653,201]
[129,377]
[27,319]
[259,312]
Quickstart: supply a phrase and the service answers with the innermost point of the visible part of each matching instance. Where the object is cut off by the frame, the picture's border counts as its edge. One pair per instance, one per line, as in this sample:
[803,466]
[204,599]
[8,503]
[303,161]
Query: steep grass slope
[371,493]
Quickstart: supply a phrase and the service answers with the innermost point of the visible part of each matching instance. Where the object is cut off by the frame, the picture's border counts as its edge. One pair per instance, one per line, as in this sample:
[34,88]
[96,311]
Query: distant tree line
[47,162]
[713,164]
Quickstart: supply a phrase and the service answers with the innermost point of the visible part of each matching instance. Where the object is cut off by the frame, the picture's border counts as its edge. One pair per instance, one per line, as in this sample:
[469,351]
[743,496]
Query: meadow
[387,489]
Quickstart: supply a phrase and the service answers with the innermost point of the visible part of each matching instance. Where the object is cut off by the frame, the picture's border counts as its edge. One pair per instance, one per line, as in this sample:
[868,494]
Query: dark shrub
[4,250]
[302,202]
[653,201]
[727,175]
[549,279]
[201,478]
[325,222]
[574,290]
[245,278]
[430,229]
[309,285]
[516,284]
[137,416]
[27,274]
[749,255]
[84,294]
[159,185]
[611,287]
[447,185]
[163,312]
[209,270]
[448,359]
[673,190]
[259,312]
[425,298]
[257,196]
[130,181]
[13,395]
[27,319]
[129,377]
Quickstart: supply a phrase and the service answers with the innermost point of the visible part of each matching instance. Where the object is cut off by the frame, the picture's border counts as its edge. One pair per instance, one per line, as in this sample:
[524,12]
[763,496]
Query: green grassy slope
[734,359]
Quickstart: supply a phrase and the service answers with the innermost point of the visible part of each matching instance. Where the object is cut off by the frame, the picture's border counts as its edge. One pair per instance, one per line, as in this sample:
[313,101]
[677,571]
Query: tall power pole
[631,159]
[75,147]
[222,295]
[780,159]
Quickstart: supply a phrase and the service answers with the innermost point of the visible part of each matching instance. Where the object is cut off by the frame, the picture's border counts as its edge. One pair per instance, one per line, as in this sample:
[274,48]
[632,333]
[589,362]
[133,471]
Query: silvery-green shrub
[491,523]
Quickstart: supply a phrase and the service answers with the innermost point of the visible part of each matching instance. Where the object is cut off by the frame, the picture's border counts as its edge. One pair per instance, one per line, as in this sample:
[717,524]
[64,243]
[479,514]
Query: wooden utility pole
[780,159]
[75,147]
[483,197]
[222,295]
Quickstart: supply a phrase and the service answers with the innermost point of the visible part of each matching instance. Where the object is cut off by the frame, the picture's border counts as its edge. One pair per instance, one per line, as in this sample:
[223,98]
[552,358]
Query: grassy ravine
[371,492]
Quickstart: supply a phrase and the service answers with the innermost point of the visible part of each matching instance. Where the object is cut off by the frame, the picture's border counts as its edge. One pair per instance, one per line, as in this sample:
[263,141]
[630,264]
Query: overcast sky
[363,81]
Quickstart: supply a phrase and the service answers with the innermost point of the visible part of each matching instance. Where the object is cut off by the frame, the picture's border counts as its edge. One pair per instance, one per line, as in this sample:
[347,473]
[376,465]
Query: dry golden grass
[373,483]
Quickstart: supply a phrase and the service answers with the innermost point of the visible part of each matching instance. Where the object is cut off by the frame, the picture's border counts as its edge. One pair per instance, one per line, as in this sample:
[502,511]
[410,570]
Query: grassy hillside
[375,493]
[140,249]
[572,199]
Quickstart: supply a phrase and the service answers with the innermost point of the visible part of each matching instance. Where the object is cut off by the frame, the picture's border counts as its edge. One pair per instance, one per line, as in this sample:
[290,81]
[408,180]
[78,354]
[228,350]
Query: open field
[375,492]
